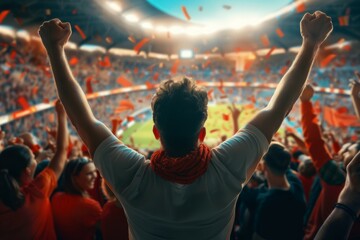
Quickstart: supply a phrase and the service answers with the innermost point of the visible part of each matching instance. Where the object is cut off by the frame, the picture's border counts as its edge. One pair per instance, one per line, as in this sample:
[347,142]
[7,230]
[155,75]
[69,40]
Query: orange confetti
[185,12]
[265,40]
[3,15]
[283,70]
[51,117]
[73,61]
[280,33]
[270,52]
[214,130]
[344,20]
[140,44]
[327,60]
[132,39]
[301,7]
[126,104]
[80,31]
[130,118]
[149,85]
[226,117]
[248,64]
[123,81]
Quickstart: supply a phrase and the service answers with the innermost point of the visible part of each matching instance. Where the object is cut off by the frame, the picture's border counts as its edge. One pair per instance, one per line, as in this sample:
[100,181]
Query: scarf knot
[183,170]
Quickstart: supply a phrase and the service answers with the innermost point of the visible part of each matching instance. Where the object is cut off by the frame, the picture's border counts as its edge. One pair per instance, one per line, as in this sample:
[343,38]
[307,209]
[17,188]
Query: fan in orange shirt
[25,210]
[76,215]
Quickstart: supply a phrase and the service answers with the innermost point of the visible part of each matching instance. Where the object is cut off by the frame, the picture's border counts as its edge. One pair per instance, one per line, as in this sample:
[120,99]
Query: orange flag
[123,81]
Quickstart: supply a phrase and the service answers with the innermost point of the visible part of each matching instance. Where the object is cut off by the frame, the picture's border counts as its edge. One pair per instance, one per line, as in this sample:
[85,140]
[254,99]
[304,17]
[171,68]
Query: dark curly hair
[179,113]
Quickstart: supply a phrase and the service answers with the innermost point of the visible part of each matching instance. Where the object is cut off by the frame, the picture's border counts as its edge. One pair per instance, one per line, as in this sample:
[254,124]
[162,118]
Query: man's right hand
[307,93]
[315,28]
[54,33]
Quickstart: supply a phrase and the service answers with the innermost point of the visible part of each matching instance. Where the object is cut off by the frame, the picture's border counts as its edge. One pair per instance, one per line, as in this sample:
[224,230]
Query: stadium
[120,52]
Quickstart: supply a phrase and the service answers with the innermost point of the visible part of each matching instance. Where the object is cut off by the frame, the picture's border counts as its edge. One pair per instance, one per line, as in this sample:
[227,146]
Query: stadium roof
[117,24]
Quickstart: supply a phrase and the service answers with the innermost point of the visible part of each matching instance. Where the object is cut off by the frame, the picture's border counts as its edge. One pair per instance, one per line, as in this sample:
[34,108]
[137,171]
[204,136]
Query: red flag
[185,12]
[327,60]
[73,61]
[336,119]
[23,102]
[80,31]
[105,62]
[3,15]
[130,118]
[88,83]
[140,44]
[115,122]
[123,81]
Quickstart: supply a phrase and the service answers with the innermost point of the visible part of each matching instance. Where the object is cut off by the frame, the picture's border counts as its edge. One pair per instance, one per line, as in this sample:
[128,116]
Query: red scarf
[183,170]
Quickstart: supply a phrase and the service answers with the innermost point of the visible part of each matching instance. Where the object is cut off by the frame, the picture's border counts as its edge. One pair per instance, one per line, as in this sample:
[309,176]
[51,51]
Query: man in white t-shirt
[186,190]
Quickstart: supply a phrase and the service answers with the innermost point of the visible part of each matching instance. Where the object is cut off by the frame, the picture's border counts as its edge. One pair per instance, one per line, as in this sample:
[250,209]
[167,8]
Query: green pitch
[216,127]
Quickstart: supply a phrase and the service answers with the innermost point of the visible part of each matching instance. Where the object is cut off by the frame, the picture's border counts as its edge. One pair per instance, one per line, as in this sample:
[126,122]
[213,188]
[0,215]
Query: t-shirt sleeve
[44,183]
[117,163]
[241,151]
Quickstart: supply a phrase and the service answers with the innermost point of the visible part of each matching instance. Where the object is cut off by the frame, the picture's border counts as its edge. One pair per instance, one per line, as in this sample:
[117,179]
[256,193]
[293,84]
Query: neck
[278,182]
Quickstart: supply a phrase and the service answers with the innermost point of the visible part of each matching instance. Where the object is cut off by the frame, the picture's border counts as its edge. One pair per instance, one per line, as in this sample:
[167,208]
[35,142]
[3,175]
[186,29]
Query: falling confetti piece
[185,12]
[325,62]
[140,44]
[280,33]
[80,31]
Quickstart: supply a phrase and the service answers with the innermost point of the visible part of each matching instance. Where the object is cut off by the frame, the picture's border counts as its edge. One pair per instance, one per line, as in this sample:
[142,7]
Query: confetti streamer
[80,31]
[140,44]
[3,15]
[280,33]
[214,130]
[270,52]
[185,12]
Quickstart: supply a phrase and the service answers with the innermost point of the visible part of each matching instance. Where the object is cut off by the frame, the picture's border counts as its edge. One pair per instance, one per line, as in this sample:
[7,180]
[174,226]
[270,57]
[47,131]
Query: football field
[219,123]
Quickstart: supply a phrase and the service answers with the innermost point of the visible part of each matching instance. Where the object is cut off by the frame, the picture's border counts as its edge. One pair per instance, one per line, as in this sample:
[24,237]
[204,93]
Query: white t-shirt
[159,209]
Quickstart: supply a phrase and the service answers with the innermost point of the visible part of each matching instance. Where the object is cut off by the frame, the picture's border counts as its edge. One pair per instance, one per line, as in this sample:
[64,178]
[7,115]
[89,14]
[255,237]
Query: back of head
[179,113]
[307,168]
[277,159]
[73,168]
[13,161]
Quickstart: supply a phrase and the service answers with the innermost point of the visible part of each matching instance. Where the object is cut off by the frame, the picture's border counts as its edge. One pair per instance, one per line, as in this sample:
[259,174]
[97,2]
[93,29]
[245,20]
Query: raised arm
[54,35]
[315,28]
[355,94]
[57,163]
[339,223]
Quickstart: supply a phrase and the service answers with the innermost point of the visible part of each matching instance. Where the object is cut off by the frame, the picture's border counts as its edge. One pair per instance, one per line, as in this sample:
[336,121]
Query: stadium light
[147,25]
[161,29]
[176,30]
[186,54]
[131,18]
[114,6]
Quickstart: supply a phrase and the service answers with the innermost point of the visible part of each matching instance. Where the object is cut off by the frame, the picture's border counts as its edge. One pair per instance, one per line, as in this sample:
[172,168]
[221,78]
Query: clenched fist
[54,33]
[316,27]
